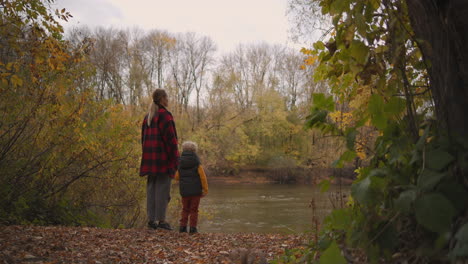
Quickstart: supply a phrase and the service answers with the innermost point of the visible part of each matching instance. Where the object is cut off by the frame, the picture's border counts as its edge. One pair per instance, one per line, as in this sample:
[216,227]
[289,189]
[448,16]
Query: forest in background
[244,108]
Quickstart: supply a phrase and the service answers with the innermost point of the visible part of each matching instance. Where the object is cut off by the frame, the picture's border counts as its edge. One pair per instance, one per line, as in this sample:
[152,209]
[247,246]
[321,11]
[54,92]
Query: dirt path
[33,244]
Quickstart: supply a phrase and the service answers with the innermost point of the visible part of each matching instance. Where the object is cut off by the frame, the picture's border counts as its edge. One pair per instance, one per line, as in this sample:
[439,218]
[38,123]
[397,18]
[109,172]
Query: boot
[152,225]
[164,225]
[193,230]
[182,229]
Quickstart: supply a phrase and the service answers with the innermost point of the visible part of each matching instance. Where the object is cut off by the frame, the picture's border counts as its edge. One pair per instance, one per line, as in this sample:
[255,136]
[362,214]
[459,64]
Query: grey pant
[158,195]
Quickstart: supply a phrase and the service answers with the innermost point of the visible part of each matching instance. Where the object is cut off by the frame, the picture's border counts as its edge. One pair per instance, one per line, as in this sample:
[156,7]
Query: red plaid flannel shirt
[159,143]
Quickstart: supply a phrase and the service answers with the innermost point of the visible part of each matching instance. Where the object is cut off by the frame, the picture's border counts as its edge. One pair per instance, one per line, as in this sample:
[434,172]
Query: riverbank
[262,175]
[36,244]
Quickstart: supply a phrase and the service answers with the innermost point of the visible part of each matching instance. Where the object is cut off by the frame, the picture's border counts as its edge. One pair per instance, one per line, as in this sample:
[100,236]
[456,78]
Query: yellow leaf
[421,132]
[39,60]
[306,51]
[310,60]
[16,81]
[9,66]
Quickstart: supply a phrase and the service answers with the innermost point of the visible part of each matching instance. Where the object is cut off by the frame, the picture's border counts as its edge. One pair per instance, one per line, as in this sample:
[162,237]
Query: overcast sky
[227,22]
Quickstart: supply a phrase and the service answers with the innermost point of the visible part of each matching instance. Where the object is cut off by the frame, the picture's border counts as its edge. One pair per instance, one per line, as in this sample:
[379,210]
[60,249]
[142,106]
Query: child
[192,184]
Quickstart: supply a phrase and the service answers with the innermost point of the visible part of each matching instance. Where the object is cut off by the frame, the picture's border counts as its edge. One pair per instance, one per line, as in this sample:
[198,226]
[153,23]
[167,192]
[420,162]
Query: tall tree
[157,46]
[108,56]
[249,68]
[201,56]
[181,71]
[441,30]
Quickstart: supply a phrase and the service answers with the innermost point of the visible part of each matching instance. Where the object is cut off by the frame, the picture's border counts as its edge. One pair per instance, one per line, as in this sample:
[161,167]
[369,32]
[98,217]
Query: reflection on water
[262,208]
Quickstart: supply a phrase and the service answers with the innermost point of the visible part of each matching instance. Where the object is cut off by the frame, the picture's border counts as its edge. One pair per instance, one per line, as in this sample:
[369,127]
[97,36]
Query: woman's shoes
[167,226]
[152,225]
[164,225]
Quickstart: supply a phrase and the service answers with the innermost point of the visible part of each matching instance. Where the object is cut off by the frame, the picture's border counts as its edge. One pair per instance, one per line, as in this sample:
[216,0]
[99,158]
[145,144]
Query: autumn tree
[57,162]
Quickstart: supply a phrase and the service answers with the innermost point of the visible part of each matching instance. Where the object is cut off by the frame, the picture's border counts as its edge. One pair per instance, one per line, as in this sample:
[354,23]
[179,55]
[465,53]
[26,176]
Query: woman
[160,158]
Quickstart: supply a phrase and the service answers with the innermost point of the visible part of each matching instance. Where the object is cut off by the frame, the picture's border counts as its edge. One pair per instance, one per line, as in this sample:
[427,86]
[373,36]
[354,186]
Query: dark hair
[158,95]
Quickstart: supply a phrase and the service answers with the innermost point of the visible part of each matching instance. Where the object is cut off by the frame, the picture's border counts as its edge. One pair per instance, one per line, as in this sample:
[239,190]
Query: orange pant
[190,208]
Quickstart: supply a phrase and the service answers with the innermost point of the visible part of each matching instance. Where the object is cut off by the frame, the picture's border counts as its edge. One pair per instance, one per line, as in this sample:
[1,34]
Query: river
[264,208]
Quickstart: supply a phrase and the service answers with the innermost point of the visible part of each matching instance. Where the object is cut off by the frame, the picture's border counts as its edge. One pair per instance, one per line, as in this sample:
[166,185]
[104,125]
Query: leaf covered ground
[36,244]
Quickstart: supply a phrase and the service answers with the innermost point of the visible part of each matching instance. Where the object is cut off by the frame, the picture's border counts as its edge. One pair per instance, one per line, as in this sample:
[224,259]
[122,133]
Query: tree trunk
[441,28]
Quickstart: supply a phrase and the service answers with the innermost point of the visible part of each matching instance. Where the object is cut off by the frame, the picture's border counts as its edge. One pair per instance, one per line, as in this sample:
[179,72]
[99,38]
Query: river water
[264,208]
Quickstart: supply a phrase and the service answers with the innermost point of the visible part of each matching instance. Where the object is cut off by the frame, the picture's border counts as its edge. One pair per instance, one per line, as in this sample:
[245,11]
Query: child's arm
[203,180]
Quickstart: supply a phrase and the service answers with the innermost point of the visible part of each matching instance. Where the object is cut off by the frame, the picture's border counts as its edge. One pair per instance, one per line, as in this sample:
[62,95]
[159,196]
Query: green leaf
[434,212]
[375,108]
[375,4]
[320,101]
[395,106]
[368,190]
[339,6]
[429,179]
[332,255]
[360,23]
[405,201]
[359,51]
[361,189]
[319,45]
[438,159]
[379,121]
